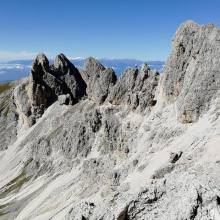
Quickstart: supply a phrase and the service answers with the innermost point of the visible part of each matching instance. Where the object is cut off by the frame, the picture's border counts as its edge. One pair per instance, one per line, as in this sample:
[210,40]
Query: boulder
[174,157]
[64,99]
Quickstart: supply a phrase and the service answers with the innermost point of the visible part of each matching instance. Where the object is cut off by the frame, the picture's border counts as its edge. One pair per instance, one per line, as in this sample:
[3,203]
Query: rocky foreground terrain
[84,144]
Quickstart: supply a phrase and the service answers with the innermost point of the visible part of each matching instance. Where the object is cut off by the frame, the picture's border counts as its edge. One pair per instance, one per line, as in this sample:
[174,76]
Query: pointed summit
[93,66]
[40,63]
[145,67]
[63,65]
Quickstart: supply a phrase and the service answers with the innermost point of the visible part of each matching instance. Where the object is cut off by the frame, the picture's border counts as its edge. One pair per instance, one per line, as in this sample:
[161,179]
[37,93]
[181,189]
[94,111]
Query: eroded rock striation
[141,146]
[8,118]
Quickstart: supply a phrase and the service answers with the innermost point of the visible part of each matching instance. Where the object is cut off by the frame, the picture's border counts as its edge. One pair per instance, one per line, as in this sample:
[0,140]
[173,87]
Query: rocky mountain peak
[92,65]
[191,76]
[135,88]
[47,82]
[41,59]
[145,68]
[63,65]
[40,64]
[187,26]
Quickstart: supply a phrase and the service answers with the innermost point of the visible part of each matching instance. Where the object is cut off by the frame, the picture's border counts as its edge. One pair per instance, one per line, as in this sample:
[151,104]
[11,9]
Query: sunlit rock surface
[86,145]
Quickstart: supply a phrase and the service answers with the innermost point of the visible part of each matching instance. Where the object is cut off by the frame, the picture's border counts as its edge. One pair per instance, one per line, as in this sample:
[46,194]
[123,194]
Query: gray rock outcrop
[49,83]
[192,73]
[64,99]
[46,83]
[100,80]
[135,88]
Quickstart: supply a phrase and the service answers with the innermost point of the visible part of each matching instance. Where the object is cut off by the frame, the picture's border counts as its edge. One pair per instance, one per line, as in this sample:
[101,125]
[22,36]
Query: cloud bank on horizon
[7,56]
[20,67]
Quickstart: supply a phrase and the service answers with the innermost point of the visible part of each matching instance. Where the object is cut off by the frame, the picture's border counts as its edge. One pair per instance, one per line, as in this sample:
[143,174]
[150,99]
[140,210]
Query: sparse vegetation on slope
[4,87]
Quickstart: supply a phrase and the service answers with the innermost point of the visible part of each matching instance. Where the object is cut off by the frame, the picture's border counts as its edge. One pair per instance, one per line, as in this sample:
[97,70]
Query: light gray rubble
[82,144]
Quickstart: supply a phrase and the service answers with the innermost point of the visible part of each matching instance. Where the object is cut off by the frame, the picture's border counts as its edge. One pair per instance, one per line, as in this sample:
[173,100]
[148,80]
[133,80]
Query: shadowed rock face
[60,78]
[46,83]
[192,73]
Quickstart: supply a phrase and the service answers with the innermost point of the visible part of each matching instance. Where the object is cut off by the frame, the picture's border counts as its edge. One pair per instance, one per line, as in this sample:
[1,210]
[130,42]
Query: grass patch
[4,87]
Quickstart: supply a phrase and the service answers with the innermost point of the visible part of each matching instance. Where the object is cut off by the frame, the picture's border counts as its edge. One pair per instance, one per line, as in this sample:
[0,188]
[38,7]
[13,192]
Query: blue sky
[140,29]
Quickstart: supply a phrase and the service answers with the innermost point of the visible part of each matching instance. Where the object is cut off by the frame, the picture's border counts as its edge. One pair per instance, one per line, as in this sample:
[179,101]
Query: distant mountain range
[17,69]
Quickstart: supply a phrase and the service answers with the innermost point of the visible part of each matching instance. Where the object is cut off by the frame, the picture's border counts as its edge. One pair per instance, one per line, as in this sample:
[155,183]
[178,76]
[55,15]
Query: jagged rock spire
[40,65]
[92,65]
[47,82]
[63,65]
[135,88]
[100,80]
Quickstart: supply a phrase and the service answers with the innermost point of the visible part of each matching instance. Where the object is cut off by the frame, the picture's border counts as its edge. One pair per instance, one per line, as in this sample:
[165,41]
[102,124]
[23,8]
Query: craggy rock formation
[152,202]
[62,81]
[136,88]
[192,73]
[100,80]
[119,149]
[46,84]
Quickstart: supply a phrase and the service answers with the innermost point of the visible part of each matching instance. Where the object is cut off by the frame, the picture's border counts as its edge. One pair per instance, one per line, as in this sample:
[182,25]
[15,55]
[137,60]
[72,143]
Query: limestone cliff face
[141,146]
[192,73]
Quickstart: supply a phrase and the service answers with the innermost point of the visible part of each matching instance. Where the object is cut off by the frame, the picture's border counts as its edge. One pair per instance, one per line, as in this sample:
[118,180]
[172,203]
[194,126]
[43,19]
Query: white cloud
[17,55]
[75,58]
[26,55]
[10,66]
